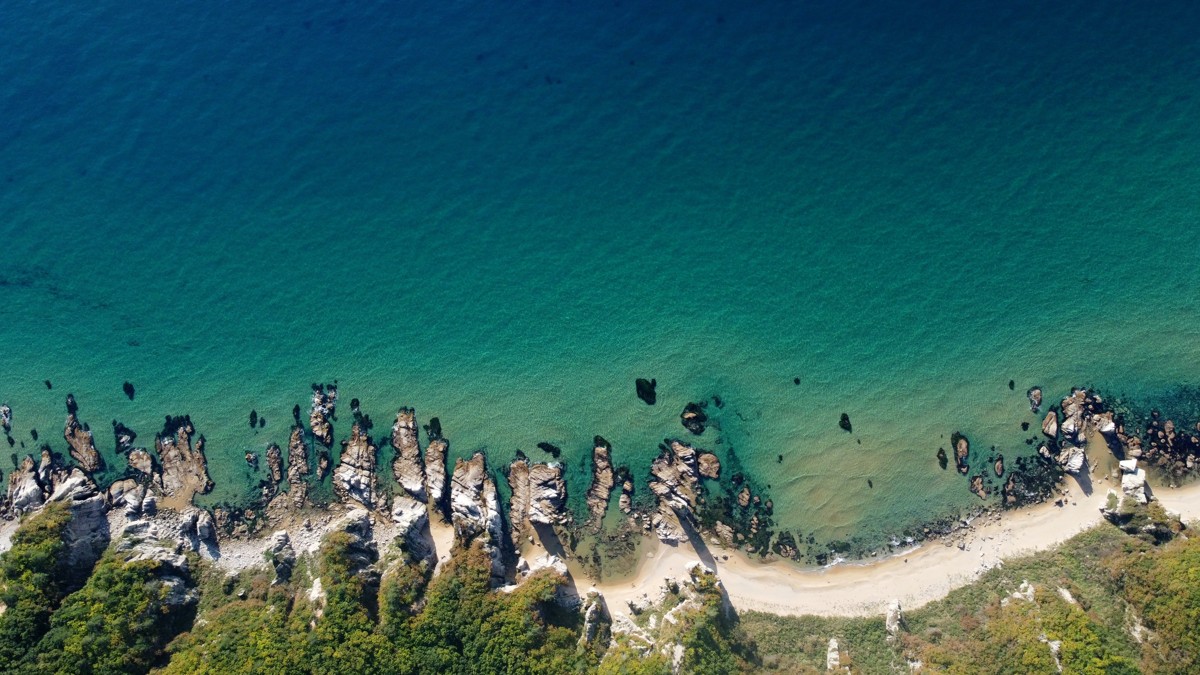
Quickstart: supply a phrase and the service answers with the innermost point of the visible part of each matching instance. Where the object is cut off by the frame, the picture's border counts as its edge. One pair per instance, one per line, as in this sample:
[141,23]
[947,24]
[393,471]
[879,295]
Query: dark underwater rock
[844,423]
[128,388]
[693,418]
[72,406]
[645,390]
[253,419]
[550,449]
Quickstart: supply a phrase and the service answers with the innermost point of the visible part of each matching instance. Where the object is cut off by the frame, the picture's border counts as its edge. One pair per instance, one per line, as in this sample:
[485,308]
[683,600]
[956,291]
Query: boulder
[962,452]
[1071,458]
[6,418]
[1035,399]
[407,467]
[1133,481]
[602,481]
[282,556]
[1050,425]
[354,478]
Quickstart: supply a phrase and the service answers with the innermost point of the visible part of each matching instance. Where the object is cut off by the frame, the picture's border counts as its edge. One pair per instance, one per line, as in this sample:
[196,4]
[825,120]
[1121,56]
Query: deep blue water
[503,214]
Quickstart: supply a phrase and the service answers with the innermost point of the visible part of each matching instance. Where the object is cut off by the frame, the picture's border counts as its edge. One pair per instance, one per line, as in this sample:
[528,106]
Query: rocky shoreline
[688,495]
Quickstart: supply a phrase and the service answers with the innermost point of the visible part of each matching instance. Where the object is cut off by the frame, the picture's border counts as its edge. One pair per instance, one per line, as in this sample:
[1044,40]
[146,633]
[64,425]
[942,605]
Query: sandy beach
[923,575]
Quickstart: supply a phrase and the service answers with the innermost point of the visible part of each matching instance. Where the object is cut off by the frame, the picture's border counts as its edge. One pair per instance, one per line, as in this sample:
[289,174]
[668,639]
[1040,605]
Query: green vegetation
[1111,600]
[33,581]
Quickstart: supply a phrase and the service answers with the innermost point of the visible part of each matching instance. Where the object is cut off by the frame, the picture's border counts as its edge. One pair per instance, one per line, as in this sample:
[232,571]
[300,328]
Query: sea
[502,214]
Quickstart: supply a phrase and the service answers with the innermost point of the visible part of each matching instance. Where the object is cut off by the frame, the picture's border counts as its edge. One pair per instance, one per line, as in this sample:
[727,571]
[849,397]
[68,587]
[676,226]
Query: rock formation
[354,478]
[1133,481]
[184,469]
[407,466]
[140,460]
[475,509]
[324,402]
[83,450]
[123,437]
[539,495]
[602,481]
[281,555]
[297,470]
[709,465]
[435,472]
[274,466]
[675,479]
[893,619]
[33,485]
[6,418]
[1072,424]
[24,490]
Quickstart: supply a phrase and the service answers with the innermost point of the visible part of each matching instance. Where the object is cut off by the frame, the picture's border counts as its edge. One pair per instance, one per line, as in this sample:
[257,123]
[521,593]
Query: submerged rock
[83,450]
[354,478]
[962,452]
[844,423]
[550,449]
[645,390]
[602,481]
[407,467]
[123,436]
[943,460]
[128,389]
[6,418]
[999,466]
[693,418]
[1035,398]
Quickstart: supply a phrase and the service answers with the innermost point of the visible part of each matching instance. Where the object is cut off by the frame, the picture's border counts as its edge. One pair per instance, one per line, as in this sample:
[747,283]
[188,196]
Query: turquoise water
[502,216]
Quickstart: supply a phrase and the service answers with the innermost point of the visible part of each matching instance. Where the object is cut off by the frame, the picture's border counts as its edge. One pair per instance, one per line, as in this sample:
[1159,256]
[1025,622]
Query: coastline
[921,576]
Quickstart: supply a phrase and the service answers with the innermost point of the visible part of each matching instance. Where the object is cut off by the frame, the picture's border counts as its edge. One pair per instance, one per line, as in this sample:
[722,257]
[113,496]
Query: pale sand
[921,576]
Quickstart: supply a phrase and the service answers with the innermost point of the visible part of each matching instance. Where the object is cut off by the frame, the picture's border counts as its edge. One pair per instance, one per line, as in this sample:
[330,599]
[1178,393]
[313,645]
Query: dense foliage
[33,581]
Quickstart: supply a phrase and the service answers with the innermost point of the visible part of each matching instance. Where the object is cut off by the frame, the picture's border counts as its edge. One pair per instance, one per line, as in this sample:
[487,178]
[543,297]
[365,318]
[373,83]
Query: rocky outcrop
[1133,481]
[625,502]
[354,478]
[833,658]
[297,470]
[893,620]
[1072,425]
[475,509]
[323,464]
[83,449]
[184,468]
[411,518]
[407,466]
[123,437]
[693,418]
[1071,458]
[24,489]
[518,504]
[324,402]
[675,479]
[435,472]
[595,617]
[6,418]
[274,467]
[538,496]
[141,461]
[978,488]
[602,481]
[140,541]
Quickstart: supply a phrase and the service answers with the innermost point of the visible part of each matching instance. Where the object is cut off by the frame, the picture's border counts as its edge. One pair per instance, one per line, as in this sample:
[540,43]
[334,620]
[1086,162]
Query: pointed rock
[354,477]
[83,450]
[324,403]
[407,467]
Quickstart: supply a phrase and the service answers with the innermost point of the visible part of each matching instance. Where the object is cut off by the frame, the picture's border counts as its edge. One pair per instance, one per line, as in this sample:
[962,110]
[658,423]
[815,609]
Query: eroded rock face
[83,449]
[435,472]
[354,478]
[184,468]
[602,481]
[140,541]
[297,471]
[24,488]
[407,467]
[411,517]
[475,509]
[324,402]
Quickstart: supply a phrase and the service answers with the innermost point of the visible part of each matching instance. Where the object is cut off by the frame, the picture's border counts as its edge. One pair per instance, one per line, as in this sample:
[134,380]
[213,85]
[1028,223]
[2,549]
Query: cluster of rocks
[324,403]
[675,483]
[1160,442]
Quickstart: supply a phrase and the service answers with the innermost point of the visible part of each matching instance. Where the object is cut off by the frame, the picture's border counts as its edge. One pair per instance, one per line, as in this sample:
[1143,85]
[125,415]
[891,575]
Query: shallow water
[502,216]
